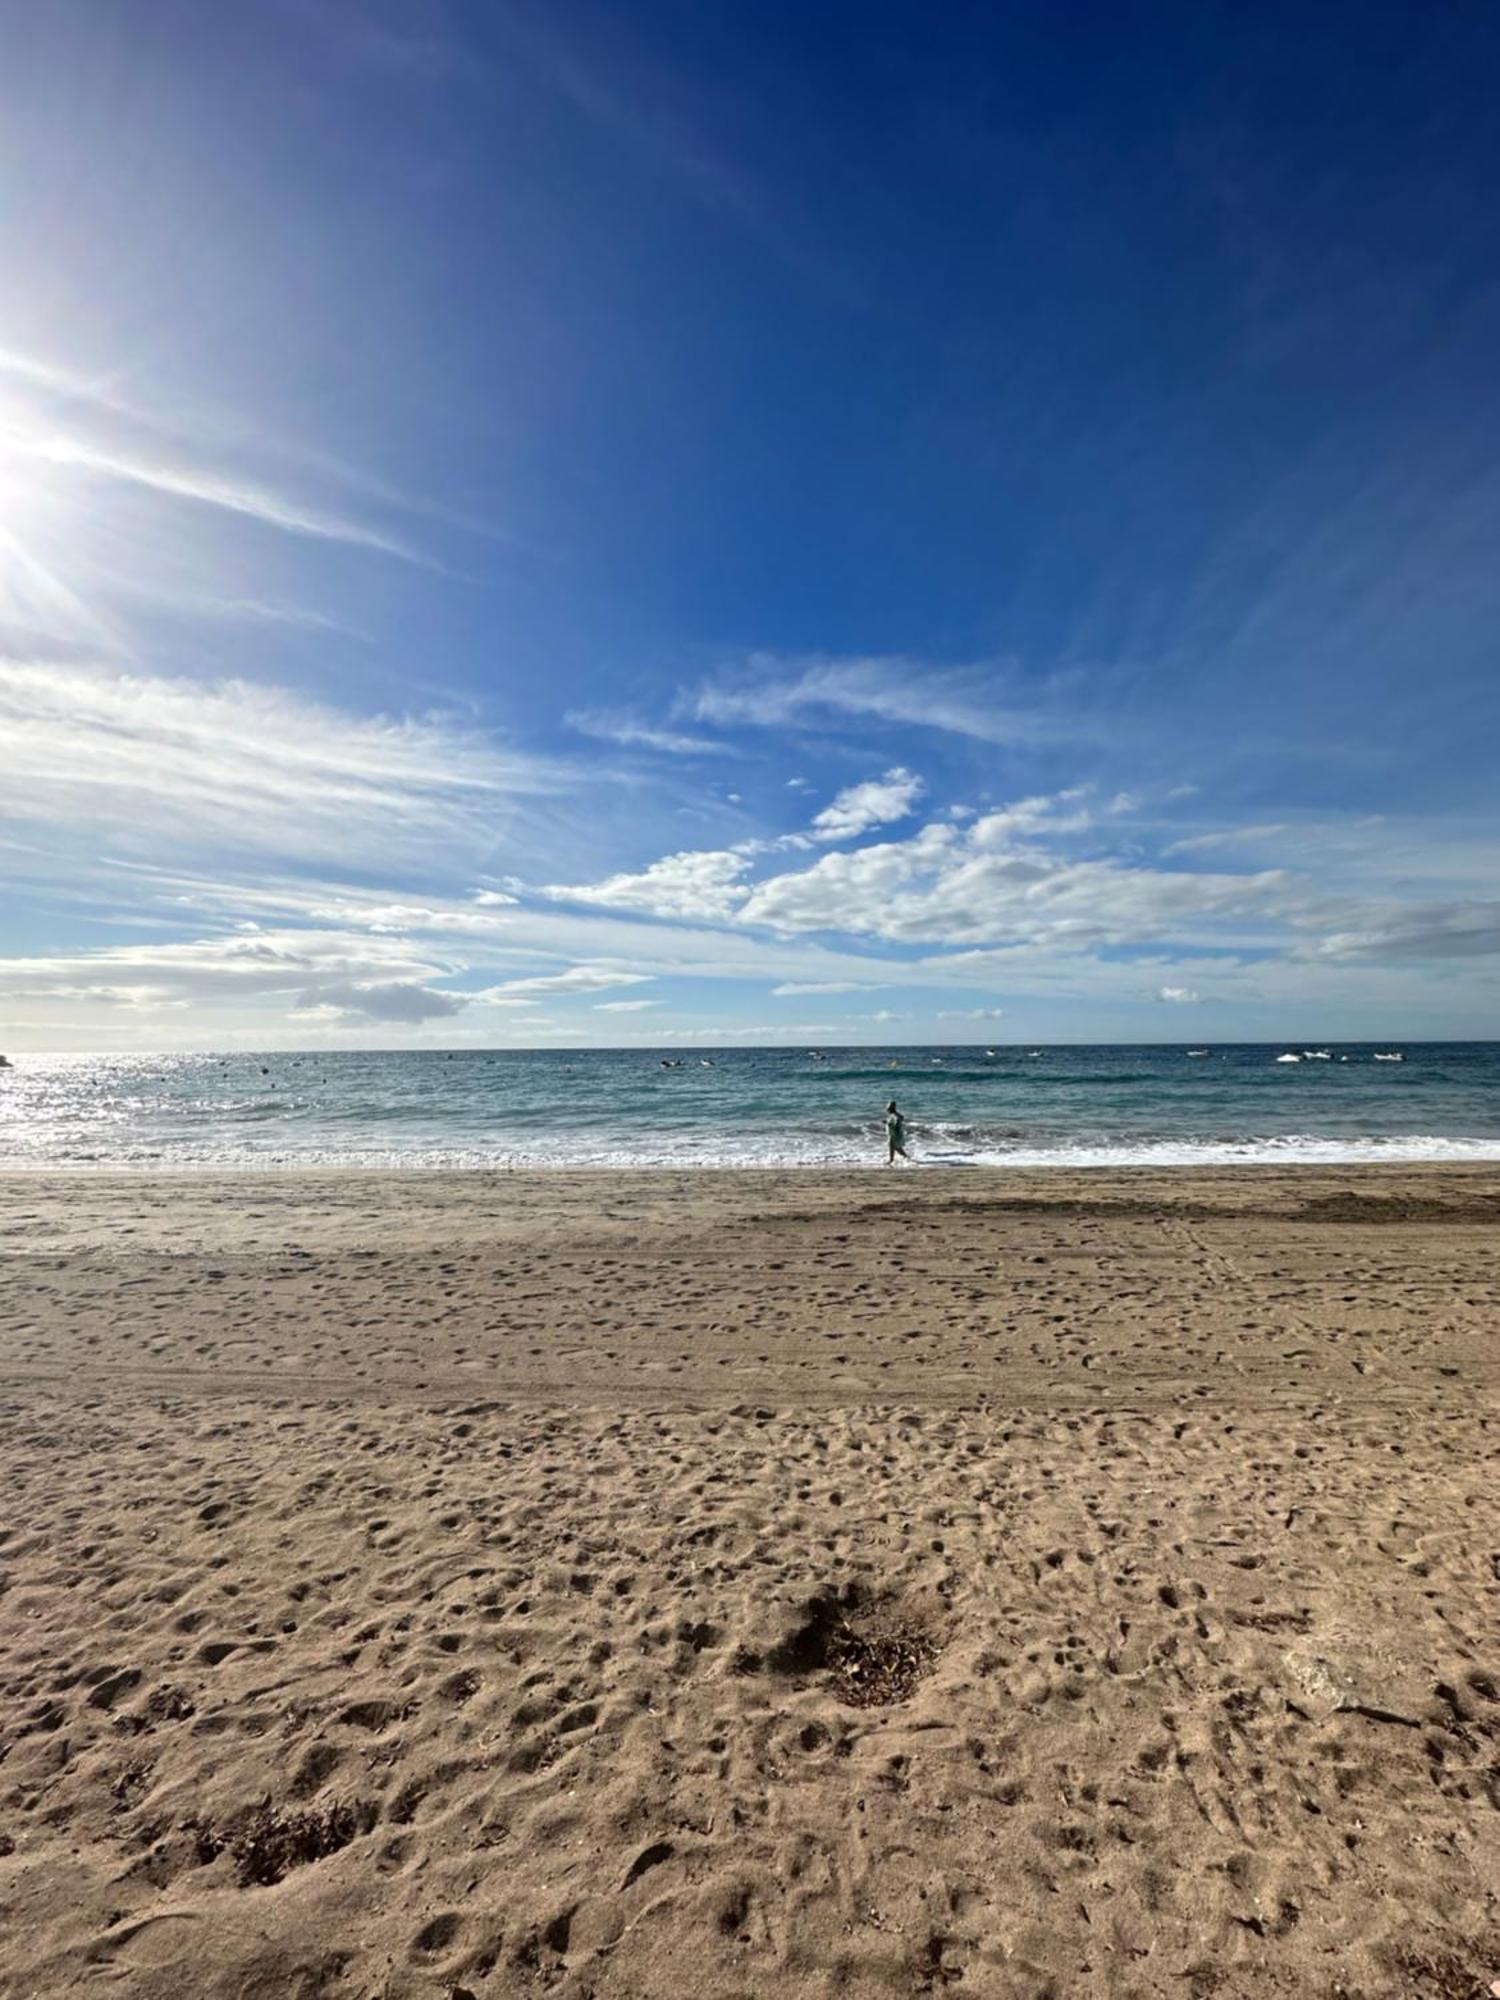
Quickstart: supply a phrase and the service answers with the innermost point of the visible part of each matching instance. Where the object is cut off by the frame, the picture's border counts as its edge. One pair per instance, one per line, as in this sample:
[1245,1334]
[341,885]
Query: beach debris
[268,1843]
[1442,1975]
[1349,1681]
[873,1650]
[872,1670]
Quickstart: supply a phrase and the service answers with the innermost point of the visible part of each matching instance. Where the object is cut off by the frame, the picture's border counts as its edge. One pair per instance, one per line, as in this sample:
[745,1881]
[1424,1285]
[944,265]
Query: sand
[885,1584]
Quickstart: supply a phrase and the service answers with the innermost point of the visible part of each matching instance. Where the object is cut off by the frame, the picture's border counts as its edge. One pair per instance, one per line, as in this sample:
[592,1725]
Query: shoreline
[1484,1157]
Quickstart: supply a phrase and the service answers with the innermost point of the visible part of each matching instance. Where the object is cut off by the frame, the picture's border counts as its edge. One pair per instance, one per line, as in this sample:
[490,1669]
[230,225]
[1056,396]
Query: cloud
[452,930]
[1230,836]
[795,988]
[155,763]
[1178,996]
[625,1006]
[761,1031]
[622,86]
[612,727]
[150,997]
[970,1013]
[1417,932]
[391,1000]
[69,383]
[994,881]
[371,977]
[770,691]
[876,802]
[285,975]
[210,489]
[703,885]
[578,979]
[1057,814]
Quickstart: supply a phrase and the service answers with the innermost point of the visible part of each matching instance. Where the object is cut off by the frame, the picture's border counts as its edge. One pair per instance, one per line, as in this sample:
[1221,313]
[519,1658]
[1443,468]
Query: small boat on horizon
[1289,1057]
[1390,1055]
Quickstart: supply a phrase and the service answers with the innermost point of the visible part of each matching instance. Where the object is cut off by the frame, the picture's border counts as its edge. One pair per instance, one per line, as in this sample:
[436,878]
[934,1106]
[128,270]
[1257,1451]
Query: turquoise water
[754,1107]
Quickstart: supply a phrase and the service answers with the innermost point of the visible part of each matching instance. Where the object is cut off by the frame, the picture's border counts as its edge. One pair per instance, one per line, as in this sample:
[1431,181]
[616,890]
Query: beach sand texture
[731,1585]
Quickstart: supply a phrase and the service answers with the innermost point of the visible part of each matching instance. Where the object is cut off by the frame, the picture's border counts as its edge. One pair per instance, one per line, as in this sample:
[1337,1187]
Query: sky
[542,523]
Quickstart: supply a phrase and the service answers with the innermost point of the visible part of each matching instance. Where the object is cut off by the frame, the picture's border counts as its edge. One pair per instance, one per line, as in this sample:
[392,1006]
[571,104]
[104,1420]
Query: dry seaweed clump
[870,1669]
[873,1651]
[269,1843]
[1441,1975]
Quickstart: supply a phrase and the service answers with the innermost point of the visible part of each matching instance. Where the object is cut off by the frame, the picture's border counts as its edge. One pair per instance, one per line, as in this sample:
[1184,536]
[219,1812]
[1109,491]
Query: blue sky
[744,522]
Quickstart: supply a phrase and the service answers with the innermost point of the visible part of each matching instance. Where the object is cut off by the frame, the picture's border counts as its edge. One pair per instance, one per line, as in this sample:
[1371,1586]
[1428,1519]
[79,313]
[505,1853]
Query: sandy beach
[725,1585]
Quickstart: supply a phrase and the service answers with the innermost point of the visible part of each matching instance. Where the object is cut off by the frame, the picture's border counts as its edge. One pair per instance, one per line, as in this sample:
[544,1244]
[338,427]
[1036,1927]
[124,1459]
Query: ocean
[782,1108]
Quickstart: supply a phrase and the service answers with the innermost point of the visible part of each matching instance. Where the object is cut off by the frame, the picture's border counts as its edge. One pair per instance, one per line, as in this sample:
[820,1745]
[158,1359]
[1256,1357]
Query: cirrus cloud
[154,762]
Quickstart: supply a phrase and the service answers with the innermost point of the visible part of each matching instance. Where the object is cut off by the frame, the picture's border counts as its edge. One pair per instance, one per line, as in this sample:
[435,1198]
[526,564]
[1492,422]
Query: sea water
[1036,1106]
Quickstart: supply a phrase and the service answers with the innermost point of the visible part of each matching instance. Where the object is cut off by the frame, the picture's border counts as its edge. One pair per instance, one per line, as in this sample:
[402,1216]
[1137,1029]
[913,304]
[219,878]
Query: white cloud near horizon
[1046,893]
[578,979]
[395,1000]
[291,976]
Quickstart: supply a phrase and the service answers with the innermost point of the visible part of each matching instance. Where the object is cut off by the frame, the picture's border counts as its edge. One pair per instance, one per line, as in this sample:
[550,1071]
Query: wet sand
[476,1585]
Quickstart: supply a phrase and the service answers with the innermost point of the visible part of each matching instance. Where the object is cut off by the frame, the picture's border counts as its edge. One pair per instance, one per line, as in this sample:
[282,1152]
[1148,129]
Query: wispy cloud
[237,766]
[772,691]
[70,385]
[1416,931]
[419,44]
[578,979]
[209,489]
[628,90]
[1230,836]
[611,726]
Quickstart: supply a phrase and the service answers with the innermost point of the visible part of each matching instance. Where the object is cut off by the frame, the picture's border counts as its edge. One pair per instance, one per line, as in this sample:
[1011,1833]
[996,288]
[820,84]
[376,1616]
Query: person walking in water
[895,1135]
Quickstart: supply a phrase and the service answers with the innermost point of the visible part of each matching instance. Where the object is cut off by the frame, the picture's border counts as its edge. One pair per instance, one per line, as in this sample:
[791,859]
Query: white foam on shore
[782,1153]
